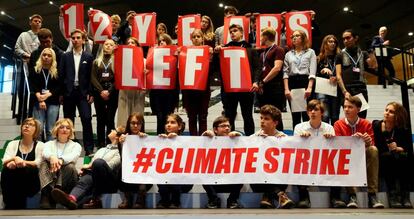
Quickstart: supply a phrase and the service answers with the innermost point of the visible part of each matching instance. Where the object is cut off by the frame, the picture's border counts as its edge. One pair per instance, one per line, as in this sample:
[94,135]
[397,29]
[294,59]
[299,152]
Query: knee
[98,163]
[372,151]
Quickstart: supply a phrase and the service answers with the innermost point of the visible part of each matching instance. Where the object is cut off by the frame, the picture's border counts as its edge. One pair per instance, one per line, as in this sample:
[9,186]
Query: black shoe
[373,201]
[162,205]
[174,206]
[213,204]
[406,203]
[304,203]
[337,203]
[394,200]
[233,204]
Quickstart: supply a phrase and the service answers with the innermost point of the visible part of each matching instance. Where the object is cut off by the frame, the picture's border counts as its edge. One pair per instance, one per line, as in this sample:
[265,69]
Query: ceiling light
[90,8]
[221,5]
[2,13]
[7,47]
[50,2]
[346,9]
[410,34]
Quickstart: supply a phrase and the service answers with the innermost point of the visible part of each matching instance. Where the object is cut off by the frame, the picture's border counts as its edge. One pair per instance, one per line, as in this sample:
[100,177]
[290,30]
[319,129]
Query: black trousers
[273,94]
[77,100]
[269,190]
[17,185]
[105,116]
[295,82]
[163,103]
[233,189]
[172,193]
[246,104]
[354,89]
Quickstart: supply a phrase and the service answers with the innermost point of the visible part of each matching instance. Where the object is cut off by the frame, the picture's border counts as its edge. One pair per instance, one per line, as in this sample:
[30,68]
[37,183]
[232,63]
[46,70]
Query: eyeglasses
[133,123]
[224,126]
[295,36]
[29,124]
[64,127]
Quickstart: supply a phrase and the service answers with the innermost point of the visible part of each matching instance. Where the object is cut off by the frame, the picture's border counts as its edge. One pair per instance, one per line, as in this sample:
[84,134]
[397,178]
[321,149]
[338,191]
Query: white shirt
[77,58]
[13,146]
[302,63]
[324,128]
[69,152]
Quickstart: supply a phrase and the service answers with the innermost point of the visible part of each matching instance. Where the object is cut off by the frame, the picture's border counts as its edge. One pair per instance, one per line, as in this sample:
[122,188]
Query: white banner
[316,161]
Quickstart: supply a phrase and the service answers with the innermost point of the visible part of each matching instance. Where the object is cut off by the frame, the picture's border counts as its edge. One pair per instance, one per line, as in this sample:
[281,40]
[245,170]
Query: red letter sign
[72,17]
[194,64]
[299,20]
[101,25]
[268,20]
[144,28]
[235,69]
[186,25]
[129,68]
[162,67]
[240,20]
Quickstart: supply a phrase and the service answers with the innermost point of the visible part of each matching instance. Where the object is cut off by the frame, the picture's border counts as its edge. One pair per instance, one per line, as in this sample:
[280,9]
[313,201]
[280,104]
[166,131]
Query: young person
[314,127]
[171,194]
[269,119]
[353,125]
[221,127]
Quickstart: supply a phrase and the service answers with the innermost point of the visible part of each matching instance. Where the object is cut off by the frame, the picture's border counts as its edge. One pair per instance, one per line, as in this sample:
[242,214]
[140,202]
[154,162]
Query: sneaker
[407,203]
[162,205]
[304,203]
[233,204]
[284,201]
[266,203]
[213,204]
[64,199]
[337,203]
[353,203]
[94,203]
[373,202]
[174,206]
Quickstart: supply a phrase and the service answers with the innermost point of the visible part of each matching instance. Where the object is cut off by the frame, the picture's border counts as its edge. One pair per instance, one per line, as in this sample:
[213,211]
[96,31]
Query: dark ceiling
[366,16]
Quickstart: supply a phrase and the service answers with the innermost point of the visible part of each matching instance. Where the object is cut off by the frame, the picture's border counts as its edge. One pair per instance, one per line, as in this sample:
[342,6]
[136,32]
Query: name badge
[355,69]
[45,91]
[105,74]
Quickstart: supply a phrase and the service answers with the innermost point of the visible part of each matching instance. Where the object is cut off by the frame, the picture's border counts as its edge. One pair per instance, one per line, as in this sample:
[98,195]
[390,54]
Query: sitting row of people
[50,167]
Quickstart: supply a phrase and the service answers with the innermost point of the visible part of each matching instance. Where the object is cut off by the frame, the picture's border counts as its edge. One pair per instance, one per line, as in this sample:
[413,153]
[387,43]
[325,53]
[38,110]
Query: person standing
[299,69]
[270,81]
[379,42]
[351,65]
[105,94]
[26,43]
[75,75]
[244,98]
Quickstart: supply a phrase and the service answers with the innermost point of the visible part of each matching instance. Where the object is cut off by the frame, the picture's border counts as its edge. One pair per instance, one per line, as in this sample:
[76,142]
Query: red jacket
[342,128]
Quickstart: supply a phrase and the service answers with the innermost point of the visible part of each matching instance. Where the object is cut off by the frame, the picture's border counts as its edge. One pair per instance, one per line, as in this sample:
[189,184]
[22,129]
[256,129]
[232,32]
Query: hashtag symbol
[144,160]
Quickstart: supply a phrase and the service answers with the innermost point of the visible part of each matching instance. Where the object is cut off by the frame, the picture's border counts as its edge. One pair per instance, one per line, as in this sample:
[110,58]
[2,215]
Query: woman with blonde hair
[57,170]
[207,28]
[20,163]
[46,87]
[105,93]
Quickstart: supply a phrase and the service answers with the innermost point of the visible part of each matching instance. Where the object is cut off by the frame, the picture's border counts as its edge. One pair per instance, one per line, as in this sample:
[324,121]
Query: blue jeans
[47,118]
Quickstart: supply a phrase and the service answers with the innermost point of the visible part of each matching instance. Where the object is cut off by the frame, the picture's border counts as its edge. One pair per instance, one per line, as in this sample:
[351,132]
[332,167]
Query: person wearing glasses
[299,69]
[20,165]
[98,177]
[57,169]
[222,127]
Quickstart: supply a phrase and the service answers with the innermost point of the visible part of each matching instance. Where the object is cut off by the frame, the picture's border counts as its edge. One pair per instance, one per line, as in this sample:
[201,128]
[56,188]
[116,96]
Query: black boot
[127,201]
[140,202]
[45,198]
[405,200]
[394,200]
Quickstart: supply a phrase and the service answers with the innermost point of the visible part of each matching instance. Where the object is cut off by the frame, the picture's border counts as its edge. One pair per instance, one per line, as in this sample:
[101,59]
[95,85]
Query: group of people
[77,79]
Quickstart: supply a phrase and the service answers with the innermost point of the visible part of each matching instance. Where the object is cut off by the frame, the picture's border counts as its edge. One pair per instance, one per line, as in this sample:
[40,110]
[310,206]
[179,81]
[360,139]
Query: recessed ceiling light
[346,9]
[2,12]
[410,34]
[221,5]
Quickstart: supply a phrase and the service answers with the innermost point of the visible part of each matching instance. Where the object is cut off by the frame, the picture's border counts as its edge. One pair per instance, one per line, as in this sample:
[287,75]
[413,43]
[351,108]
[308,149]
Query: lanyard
[298,61]
[265,54]
[332,67]
[355,62]
[20,148]
[57,150]
[46,78]
[106,66]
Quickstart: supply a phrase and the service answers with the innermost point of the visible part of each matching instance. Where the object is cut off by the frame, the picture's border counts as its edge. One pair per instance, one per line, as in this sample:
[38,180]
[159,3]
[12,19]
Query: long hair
[179,121]
[136,115]
[99,58]
[305,39]
[209,32]
[324,47]
[200,32]
[53,68]
[400,115]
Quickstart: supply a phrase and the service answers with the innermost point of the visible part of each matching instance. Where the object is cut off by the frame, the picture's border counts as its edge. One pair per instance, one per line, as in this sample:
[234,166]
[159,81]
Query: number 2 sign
[101,25]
